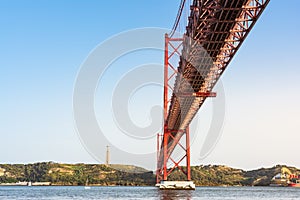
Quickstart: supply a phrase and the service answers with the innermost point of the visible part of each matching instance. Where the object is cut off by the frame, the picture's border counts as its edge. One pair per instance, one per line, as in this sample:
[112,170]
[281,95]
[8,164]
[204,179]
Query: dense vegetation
[78,174]
[217,175]
[212,175]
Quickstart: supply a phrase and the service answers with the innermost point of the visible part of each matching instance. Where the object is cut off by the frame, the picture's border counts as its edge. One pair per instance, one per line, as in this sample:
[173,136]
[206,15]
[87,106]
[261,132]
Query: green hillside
[97,174]
[76,174]
[218,175]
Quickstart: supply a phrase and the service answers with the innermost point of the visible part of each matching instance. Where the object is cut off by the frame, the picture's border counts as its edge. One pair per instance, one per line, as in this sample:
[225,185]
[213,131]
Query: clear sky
[44,43]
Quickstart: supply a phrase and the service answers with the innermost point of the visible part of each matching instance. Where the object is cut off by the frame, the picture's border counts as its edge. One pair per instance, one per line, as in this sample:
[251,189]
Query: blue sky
[44,43]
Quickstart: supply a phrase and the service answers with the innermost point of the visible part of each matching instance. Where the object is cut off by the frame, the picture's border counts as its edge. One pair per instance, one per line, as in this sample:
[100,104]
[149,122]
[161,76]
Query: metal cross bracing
[173,46]
[215,31]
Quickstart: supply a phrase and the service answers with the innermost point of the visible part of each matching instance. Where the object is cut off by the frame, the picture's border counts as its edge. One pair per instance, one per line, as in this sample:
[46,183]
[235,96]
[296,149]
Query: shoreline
[153,186]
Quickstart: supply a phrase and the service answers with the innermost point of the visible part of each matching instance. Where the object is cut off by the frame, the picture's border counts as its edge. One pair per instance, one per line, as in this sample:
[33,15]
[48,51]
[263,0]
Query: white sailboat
[87,187]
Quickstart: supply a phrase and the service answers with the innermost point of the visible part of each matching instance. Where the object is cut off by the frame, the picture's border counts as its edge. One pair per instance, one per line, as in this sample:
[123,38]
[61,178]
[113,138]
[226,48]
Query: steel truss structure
[172,49]
[216,30]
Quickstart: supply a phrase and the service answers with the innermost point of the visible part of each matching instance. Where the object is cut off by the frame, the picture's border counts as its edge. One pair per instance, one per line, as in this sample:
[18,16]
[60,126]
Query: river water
[207,193]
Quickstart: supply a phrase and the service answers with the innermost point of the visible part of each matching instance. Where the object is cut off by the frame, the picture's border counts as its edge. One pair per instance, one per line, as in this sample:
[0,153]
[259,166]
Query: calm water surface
[213,193]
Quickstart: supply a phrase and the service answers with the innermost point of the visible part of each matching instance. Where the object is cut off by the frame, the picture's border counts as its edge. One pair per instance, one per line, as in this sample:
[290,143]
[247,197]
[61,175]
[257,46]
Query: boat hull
[294,185]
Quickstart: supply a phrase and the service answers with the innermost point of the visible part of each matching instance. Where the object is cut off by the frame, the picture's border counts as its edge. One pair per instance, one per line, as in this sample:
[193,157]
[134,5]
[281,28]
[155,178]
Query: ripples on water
[207,193]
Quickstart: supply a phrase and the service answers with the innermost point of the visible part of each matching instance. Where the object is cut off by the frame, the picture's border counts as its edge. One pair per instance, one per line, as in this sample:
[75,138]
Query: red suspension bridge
[214,32]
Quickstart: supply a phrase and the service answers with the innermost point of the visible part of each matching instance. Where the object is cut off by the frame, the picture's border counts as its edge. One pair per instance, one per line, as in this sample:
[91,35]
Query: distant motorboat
[29,183]
[285,179]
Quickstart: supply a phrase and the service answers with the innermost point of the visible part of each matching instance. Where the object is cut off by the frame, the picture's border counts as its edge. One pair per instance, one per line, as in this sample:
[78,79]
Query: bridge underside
[215,31]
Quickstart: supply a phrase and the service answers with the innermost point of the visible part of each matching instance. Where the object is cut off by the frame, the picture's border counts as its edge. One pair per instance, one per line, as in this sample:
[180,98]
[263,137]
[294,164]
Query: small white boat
[87,187]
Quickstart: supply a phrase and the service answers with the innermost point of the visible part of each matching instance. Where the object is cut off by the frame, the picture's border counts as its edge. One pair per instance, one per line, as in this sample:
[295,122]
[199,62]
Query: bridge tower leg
[172,49]
[188,154]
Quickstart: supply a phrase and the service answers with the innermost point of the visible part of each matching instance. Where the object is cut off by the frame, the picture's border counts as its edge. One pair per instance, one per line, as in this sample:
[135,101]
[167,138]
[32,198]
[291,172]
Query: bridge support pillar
[188,154]
[170,164]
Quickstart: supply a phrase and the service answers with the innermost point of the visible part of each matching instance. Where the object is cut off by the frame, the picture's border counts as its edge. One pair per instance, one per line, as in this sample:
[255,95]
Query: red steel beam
[197,94]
